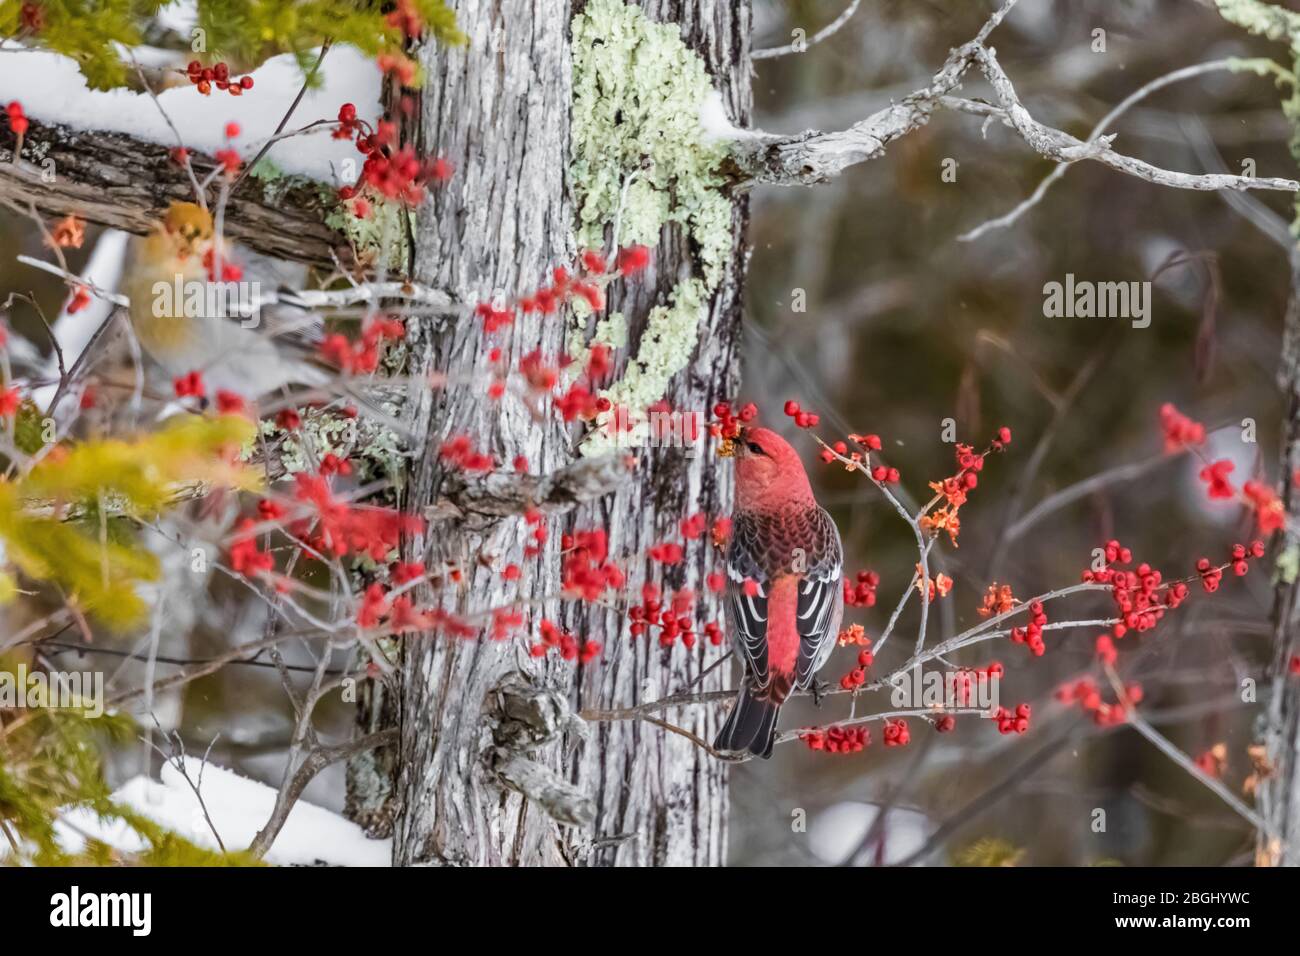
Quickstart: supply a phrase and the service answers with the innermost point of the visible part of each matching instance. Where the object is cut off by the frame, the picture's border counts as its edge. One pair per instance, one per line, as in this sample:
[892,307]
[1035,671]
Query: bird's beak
[730,447]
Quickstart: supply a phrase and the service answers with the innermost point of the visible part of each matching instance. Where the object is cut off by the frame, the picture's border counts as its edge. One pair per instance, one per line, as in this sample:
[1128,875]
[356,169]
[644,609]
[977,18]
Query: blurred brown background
[906,326]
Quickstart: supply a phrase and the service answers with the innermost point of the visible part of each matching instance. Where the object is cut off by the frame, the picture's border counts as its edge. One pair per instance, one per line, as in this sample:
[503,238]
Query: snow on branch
[114,179]
[106,155]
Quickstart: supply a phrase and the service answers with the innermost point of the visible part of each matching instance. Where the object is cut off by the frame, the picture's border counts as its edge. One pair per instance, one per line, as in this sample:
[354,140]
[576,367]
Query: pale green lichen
[610,331]
[666,348]
[385,229]
[1283,26]
[641,160]
[374,450]
[638,95]
[1262,19]
[381,238]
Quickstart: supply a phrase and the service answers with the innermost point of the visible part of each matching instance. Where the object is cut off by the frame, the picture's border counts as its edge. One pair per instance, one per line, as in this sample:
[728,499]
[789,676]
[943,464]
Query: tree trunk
[492,768]
[1279,786]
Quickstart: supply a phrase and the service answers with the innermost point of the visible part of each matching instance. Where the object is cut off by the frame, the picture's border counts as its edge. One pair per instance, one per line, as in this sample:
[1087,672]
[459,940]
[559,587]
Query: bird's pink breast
[782,635]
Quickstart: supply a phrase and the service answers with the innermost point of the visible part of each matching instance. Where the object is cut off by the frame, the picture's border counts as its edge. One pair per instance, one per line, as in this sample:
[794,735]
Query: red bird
[784,592]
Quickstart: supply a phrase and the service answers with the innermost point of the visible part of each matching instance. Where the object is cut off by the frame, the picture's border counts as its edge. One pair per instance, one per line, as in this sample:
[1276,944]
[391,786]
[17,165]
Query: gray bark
[480,774]
[1278,794]
[115,180]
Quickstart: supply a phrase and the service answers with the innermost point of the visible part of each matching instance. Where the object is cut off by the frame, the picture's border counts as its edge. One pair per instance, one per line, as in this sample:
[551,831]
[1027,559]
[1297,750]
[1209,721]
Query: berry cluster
[998,599]
[1013,722]
[17,118]
[1270,514]
[1087,695]
[1032,633]
[1180,431]
[858,676]
[955,489]
[675,621]
[586,570]
[592,275]
[555,638]
[1215,476]
[728,423]
[1140,596]
[897,733]
[1211,575]
[937,587]
[459,452]
[802,419]
[837,740]
[861,592]
[245,557]
[388,171]
[361,357]
[218,75]
[969,464]
[341,528]
[853,634]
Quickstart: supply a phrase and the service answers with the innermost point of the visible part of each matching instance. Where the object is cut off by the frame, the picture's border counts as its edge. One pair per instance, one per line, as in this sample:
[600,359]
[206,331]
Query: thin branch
[1004,787]
[284,120]
[1055,144]
[1159,83]
[812,156]
[1163,744]
[1082,489]
[317,760]
[827,31]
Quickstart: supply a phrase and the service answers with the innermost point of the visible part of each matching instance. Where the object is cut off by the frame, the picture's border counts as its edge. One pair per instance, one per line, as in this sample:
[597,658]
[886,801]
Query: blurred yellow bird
[187,323]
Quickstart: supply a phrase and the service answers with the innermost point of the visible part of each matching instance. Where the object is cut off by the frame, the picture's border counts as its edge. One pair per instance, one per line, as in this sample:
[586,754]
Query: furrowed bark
[116,180]
[1279,787]
[485,752]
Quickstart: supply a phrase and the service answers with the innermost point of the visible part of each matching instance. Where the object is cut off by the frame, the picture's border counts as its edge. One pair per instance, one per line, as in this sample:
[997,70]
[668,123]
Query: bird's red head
[769,473]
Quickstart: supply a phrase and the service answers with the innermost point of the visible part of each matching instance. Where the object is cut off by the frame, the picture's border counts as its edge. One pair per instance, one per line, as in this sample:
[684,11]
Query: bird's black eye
[755,447]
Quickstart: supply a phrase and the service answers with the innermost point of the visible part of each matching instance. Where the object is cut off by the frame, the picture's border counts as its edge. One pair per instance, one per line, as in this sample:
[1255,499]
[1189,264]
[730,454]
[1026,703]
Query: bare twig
[316,761]
[1159,83]
[284,120]
[827,31]
[812,156]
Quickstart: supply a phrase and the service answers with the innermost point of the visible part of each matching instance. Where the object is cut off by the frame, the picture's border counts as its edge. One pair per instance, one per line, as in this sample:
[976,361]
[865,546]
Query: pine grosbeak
[177,330]
[784,592]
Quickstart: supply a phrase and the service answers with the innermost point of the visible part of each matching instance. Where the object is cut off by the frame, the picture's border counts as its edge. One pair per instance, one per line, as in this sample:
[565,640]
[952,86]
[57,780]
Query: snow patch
[716,125]
[239,807]
[52,90]
[103,270]
[839,829]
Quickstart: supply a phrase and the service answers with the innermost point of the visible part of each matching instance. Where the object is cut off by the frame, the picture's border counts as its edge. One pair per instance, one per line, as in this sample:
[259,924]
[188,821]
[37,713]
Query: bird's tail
[751,725]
